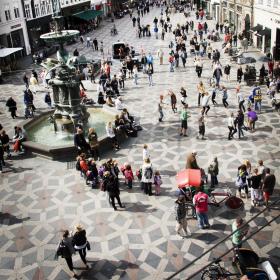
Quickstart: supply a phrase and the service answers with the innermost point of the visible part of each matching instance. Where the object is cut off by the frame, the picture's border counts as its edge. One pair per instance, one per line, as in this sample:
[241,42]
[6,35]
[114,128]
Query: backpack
[63,250]
[148,173]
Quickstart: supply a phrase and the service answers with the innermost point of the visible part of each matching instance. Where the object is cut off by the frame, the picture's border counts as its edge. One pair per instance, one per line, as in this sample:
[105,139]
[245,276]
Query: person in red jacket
[201,200]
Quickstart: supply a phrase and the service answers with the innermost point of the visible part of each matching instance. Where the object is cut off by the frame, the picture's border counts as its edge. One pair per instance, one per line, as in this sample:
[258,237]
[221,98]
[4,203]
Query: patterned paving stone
[40,198]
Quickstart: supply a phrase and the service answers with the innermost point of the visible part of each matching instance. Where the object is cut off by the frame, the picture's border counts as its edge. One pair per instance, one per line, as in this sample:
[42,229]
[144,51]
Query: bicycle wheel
[213,273]
[190,210]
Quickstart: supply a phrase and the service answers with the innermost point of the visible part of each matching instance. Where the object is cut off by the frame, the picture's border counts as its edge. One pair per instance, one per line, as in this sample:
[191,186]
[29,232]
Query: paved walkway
[39,198]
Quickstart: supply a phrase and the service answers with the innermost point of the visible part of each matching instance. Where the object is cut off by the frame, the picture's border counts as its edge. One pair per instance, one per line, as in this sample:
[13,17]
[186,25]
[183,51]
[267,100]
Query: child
[128,174]
[157,182]
[146,153]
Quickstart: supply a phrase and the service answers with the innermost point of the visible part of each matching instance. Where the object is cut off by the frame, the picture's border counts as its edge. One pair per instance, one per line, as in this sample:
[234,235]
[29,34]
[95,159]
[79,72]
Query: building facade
[238,13]
[13,30]
[266,31]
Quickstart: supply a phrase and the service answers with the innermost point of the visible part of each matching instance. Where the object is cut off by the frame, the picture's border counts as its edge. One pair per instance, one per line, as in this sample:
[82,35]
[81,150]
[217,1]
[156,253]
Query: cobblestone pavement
[39,197]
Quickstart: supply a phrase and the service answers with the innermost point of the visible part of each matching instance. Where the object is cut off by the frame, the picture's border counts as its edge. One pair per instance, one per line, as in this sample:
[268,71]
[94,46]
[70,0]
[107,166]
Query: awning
[88,15]
[265,32]
[7,51]
[257,28]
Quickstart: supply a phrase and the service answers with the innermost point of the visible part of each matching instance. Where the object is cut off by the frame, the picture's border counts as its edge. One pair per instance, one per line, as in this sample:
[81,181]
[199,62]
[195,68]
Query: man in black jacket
[112,187]
[80,141]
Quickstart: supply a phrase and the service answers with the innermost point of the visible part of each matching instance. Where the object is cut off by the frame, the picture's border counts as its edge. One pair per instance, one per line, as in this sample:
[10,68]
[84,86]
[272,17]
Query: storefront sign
[16,26]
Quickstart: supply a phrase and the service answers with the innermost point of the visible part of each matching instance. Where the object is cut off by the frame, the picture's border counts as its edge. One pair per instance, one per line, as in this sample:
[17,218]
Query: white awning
[7,51]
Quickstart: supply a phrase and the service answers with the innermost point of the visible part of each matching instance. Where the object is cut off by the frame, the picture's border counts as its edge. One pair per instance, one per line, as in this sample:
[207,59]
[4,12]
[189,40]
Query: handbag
[88,246]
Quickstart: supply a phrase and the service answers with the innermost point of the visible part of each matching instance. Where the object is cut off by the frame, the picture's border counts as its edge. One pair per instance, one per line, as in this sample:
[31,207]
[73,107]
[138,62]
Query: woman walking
[65,250]
[93,143]
[225,96]
[80,243]
[201,90]
[213,170]
[231,126]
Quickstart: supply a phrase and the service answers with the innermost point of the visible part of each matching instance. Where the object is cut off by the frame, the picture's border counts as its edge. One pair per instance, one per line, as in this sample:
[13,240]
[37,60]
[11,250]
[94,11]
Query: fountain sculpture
[64,82]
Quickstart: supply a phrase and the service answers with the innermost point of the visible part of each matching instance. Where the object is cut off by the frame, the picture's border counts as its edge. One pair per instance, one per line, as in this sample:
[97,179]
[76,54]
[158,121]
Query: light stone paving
[39,197]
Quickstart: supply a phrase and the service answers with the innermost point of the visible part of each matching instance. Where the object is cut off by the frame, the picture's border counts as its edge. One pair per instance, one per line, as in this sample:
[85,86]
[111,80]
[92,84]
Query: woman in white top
[205,103]
[111,134]
[231,126]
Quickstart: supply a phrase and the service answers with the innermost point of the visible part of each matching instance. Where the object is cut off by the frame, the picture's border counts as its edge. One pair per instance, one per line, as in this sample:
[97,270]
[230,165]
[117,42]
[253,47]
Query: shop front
[268,38]
[36,27]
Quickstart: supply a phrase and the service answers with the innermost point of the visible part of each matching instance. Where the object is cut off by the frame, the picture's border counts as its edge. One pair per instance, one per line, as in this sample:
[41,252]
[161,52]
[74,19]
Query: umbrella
[189,177]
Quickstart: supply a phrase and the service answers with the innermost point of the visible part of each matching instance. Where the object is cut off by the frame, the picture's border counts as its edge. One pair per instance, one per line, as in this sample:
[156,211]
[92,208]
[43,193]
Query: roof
[7,51]
[88,15]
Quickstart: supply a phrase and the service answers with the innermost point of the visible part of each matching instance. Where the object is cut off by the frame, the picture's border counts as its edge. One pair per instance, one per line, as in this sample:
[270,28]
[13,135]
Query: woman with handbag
[66,250]
[80,243]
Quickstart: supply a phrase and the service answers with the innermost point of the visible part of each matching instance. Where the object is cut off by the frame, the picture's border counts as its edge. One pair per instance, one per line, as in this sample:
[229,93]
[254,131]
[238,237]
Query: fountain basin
[43,140]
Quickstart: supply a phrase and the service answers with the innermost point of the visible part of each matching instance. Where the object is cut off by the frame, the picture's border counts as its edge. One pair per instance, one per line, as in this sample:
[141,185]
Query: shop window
[27,10]
[37,10]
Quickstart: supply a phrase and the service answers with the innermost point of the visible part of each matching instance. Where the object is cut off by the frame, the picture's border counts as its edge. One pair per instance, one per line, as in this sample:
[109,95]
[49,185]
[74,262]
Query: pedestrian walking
[240,100]
[205,103]
[239,74]
[80,243]
[201,128]
[181,217]
[217,74]
[157,182]
[160,55]
[198,67]
[214,94]
[227,72]
[184,121]
[150,75]
[231,126]
[268,185]
[252,118]
[147,176]
[224,96]
[201,200]
[201,91]
[239,123]
[135,74]
[12,106]
[173,101]
[213,170]
[171,62]
[65,250]
[160,110]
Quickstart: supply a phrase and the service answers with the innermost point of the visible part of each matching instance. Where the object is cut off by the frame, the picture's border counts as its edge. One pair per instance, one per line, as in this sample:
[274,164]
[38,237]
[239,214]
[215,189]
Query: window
[49,7]
[27,10]
[43,8]
[275,4]
[7,12]
[268,3]
[37,10]
[260,2]
[16,10]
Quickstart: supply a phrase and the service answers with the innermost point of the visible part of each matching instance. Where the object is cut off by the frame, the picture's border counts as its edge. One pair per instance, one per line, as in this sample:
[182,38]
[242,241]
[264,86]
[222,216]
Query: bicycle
[216,272]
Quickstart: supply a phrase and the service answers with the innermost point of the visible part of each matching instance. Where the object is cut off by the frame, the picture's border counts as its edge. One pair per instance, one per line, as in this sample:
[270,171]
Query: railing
[222,241]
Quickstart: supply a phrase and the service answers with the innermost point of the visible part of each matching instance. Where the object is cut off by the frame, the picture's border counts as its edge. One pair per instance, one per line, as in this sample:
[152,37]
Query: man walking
[268,185]
[181,213]
[201,200]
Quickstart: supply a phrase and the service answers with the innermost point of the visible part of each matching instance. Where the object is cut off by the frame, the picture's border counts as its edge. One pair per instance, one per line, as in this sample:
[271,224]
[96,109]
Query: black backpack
[63,250]
[78,166]
[148,173]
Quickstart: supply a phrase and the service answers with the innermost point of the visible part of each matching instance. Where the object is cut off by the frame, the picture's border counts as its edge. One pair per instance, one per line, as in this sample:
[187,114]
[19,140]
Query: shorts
[266,195]
[184,124]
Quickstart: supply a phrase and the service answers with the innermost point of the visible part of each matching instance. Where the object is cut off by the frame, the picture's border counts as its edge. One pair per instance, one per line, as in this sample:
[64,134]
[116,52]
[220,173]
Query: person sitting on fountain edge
[80,141]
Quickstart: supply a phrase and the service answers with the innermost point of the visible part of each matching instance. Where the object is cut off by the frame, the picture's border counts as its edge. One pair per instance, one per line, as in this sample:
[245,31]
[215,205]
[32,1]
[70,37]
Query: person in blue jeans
[201,200]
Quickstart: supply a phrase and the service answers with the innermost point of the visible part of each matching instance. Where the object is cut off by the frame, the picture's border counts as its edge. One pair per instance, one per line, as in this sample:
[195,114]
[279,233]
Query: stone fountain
[64,82]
